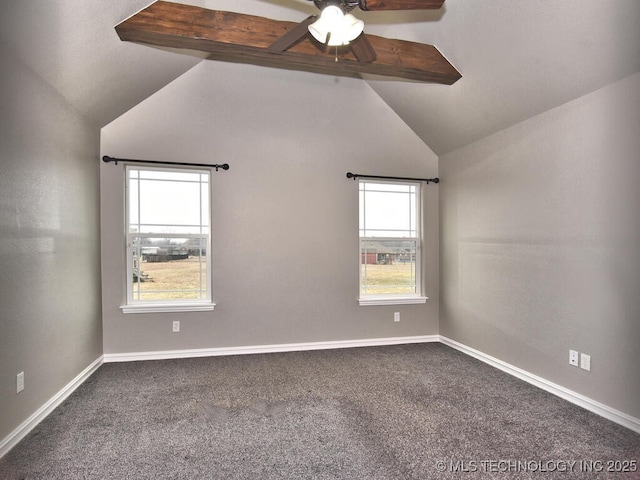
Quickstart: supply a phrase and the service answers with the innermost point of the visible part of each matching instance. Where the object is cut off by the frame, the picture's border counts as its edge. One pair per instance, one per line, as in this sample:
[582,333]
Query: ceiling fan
[337,27]
[336,21]
[263,41]
[373,5]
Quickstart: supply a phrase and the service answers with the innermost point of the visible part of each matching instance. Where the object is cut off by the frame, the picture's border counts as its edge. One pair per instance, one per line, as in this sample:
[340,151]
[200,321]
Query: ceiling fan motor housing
[345,5]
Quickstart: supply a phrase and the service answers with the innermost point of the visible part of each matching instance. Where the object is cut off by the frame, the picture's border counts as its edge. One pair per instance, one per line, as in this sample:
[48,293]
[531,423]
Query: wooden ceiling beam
[247,38]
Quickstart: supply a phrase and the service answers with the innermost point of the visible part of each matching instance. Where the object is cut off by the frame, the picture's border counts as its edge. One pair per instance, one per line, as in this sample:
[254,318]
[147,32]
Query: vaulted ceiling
[517,58]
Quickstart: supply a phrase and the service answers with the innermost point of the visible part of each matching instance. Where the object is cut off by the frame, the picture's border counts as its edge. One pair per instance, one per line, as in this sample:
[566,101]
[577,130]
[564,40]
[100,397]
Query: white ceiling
[518,58]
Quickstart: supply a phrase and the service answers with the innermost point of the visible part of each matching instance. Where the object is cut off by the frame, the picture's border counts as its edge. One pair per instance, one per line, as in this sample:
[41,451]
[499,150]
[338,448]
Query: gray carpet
[399,412]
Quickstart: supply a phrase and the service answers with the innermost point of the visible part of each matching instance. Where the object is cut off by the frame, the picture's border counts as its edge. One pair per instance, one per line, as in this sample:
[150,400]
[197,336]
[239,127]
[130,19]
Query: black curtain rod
[379,177]
[107,159]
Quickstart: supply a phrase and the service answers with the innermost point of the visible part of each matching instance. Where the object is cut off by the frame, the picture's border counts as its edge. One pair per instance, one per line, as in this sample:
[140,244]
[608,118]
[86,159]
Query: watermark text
[539,466]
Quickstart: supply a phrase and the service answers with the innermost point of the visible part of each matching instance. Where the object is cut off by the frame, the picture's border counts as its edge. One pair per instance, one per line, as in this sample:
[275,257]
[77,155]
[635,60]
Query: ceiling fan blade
[362,49]
[292,36]
[373,5]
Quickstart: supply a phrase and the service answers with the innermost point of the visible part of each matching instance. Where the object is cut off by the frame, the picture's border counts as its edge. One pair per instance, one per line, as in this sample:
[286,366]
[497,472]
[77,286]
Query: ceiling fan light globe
[337,39]
[330,19]
[332,14]
[318,32]
[352,27]
[335,28]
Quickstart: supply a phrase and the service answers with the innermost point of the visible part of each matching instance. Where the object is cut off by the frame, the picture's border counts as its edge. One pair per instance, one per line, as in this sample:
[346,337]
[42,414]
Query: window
[390,243]
[168,240]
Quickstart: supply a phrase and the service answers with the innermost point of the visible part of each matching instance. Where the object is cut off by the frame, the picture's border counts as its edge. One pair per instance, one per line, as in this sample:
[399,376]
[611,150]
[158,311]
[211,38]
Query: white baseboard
[247,350]
[598,408]
[30,423]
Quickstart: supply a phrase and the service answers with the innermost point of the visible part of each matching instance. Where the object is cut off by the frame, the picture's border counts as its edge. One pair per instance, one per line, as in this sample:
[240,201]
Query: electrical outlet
[396,316]
[20,382]
[176,326]
[573,358]
[585,361]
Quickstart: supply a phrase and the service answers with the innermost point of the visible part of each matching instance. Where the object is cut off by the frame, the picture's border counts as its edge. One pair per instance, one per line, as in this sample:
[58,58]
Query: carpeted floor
[399,412]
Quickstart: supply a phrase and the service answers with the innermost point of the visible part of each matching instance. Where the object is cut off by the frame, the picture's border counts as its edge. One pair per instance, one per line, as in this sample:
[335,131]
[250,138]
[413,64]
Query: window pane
[204,203]
[387,187]
[169,269]
[169,203]
[173,229]
[174,175]
[388,267]
[159,201]
[133,207]
[388,210]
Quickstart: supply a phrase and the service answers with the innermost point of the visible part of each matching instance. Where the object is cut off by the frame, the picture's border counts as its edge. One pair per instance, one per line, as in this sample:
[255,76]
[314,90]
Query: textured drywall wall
[285,217]
[50,320]
[540,237]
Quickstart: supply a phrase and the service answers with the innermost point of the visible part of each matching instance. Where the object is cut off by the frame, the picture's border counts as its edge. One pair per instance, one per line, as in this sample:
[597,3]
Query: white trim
[129,235]
[247,350]
[30,423]
[598,408]
[167,307]
[390,300]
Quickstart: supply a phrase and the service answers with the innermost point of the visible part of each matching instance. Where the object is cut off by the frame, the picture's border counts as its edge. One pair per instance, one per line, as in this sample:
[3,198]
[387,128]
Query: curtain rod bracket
[355,176]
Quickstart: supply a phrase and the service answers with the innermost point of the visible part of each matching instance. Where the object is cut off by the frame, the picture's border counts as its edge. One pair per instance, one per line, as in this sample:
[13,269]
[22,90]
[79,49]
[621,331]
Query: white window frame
[391,298]
[158,306]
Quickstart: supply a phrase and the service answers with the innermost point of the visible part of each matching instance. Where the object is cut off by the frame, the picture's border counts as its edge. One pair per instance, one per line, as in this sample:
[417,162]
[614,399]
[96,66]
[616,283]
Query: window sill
[168,307]
[367,301]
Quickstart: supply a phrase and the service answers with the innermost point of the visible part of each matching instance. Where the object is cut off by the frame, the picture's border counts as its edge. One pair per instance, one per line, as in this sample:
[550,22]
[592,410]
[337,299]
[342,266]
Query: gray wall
[49,242]
[540,236]
[285,217]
